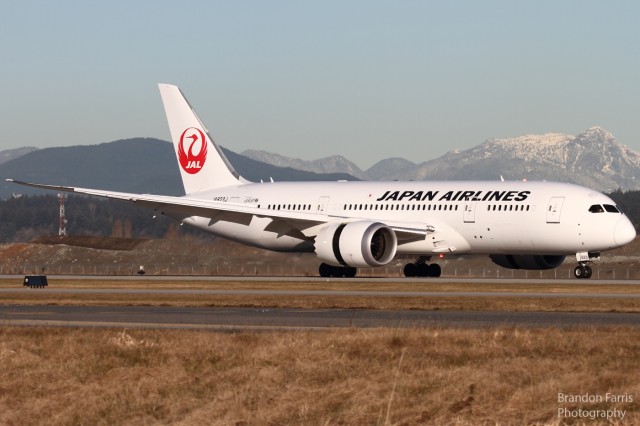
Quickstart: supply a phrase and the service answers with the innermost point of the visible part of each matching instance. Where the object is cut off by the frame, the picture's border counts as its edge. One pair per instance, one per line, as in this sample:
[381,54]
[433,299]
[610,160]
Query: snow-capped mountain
[593,158]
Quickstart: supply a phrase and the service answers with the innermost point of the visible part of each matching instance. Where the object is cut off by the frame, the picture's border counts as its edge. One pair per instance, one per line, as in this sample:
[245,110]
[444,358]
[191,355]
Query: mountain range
[140,165]
[593,158]
[10,154]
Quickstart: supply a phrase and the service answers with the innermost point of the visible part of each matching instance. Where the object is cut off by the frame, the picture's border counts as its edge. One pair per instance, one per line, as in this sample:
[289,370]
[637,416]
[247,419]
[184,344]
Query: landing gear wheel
[337,271]
[434,270]
[422,270]
[325,270]
[410,270]
[349,272]
[582,272]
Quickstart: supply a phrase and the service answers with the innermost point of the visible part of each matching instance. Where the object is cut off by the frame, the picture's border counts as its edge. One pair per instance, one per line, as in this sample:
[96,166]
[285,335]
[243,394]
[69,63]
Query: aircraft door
[323,202]
[554,209]
[470,212]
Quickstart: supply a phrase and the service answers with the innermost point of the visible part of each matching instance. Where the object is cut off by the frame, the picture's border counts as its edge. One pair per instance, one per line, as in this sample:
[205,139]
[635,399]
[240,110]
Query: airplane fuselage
[472,217]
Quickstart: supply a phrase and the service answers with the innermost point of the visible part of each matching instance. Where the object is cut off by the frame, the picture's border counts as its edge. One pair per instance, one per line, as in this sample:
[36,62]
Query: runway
[313,279]
[237,318]
[345,293]
[292,319]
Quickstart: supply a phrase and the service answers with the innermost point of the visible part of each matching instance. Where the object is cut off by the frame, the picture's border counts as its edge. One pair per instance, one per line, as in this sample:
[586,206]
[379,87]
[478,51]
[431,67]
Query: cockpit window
[609,208]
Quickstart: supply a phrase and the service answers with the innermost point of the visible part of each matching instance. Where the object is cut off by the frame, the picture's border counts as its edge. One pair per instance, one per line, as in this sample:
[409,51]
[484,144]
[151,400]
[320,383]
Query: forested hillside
[140,165]
[629,202]
[28,217]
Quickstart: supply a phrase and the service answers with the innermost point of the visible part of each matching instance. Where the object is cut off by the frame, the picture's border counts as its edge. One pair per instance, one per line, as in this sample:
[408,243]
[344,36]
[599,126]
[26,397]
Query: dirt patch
[181,256]
[216,256]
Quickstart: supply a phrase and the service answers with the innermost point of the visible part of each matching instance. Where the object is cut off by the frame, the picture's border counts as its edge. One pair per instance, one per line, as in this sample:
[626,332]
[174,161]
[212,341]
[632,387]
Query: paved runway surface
[261,319]
[344,293]
[382,280]
[265,319]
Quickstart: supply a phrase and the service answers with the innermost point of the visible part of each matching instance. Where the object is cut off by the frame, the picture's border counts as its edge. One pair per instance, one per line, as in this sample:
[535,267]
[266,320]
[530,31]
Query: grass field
[64,376]
[433,375]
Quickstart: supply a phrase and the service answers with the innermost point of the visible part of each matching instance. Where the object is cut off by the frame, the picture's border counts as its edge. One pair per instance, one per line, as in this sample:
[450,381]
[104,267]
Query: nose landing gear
[584,271]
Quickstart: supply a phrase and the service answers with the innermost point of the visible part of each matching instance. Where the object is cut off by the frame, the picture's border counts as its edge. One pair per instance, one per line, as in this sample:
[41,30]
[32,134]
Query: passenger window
[611,209]
[596,208]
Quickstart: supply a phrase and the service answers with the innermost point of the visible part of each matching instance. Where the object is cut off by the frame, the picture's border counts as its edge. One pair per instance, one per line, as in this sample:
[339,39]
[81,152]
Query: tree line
[28,217]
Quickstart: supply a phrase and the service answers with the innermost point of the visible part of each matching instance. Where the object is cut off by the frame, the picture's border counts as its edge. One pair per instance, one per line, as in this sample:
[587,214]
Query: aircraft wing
[307,222]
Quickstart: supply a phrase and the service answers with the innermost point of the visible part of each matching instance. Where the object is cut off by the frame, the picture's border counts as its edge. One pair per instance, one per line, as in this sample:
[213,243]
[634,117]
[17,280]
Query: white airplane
[520,225]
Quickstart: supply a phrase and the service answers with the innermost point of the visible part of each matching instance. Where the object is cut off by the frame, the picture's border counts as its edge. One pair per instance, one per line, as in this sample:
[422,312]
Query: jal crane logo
[192,159]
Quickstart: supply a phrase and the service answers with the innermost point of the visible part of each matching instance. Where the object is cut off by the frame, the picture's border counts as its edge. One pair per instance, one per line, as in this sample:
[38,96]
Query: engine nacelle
[531,262]
[358,244]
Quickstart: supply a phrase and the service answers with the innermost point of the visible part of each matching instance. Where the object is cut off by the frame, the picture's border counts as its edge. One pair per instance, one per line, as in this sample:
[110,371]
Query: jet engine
[531,262]
[357,244]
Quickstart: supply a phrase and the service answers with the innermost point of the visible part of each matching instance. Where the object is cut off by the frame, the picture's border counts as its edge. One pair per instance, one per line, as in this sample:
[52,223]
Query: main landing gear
[337,271]
[420,268]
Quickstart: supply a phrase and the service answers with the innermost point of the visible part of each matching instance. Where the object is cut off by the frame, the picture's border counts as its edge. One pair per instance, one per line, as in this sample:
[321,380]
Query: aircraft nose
[624,232]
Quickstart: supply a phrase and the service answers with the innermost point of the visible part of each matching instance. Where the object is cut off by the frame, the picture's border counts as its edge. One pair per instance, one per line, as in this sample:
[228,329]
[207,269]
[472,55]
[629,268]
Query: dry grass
[450,301]
[377,376]
[365,284]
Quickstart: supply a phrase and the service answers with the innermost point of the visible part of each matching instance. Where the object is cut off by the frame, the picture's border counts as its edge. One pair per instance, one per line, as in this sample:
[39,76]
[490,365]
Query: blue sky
[365,79]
